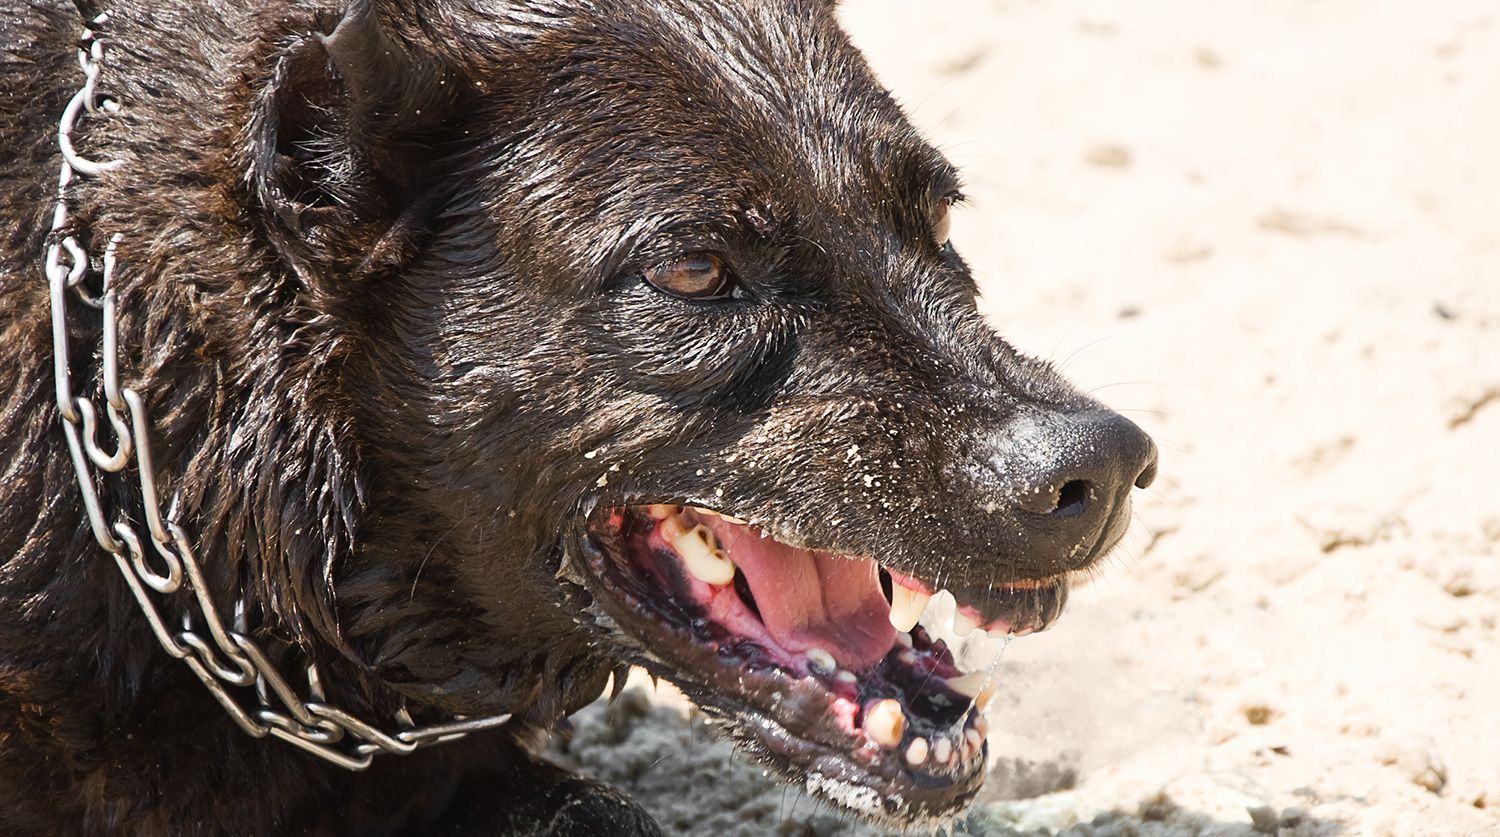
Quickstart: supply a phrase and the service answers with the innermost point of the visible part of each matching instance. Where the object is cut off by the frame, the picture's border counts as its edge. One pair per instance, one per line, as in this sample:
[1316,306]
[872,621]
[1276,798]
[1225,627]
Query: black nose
[1069,476]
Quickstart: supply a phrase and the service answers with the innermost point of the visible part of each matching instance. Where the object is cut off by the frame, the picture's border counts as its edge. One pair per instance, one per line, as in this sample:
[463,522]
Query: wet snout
[1066,478]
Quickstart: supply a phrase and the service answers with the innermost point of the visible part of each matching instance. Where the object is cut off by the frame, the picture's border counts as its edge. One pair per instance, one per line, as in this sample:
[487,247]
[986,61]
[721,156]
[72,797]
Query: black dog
[486,348]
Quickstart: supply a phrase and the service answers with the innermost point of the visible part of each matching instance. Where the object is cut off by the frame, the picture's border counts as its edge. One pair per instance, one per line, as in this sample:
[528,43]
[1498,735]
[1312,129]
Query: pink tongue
[813,599]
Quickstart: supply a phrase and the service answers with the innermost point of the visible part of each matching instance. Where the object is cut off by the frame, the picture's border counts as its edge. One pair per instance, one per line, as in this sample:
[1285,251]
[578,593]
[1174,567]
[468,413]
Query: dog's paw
[523,796]
[585,809]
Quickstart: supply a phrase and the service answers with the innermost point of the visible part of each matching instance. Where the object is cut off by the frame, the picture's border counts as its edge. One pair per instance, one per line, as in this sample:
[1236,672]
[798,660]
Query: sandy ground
[1269,231]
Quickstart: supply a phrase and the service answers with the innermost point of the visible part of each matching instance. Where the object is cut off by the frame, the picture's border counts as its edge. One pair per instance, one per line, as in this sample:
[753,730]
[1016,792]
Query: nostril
[1072,499]
[1074,469]
[1147,475]
[1148,472]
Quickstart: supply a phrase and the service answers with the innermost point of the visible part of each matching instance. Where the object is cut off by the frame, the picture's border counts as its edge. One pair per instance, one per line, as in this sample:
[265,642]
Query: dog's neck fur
[275,538]
[80,671]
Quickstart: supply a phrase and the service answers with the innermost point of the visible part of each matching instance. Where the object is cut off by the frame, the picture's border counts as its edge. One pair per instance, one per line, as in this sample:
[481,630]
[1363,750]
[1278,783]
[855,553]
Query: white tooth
[906,607]
[964,624]
[916,752]
[821,661]
[662,512]
[847,676]
[972,740]
[970,684]
[942,751]
[702,557]
[885,723]
[937,617]
[904,638]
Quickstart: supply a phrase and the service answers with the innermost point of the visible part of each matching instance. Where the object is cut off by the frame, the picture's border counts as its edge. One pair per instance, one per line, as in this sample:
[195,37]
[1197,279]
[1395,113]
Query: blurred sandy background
[1269,232]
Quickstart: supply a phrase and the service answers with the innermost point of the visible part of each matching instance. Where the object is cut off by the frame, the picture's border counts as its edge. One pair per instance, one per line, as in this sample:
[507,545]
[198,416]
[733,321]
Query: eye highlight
[693,276]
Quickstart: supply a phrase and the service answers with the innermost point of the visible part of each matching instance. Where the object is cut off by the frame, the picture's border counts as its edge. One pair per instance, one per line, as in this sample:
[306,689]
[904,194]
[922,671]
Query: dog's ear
[341,140]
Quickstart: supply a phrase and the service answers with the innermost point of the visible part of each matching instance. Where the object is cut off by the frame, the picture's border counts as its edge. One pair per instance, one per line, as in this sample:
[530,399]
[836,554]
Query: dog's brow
[923,171]
[941,178]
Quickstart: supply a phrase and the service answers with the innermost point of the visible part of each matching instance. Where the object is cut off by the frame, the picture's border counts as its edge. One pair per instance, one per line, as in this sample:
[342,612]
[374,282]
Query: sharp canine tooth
[906,607]
[970,685]
[703,559]
[885,723]
[821,660]
[942,751]
[916,752]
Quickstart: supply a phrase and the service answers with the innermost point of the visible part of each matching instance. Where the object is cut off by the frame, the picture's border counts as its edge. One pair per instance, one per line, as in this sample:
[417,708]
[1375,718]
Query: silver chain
[235,670]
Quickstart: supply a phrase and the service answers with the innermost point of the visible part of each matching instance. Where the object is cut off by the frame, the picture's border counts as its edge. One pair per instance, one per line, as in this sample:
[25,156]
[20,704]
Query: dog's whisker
[1062,365]
[1150,411]
[1102,387]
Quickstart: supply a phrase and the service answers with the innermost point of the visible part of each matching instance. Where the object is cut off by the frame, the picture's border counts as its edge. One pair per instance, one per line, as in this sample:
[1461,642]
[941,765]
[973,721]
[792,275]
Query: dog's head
[664,355]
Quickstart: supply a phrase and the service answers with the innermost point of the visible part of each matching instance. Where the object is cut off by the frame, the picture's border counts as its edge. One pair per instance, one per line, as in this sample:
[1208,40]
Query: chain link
[235,670]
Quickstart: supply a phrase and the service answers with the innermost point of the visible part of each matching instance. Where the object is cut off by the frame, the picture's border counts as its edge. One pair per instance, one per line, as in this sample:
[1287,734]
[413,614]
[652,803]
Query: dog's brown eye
[694,276]
[942,222]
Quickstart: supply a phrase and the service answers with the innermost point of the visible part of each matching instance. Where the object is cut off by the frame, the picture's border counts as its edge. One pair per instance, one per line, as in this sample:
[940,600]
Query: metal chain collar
[237,673]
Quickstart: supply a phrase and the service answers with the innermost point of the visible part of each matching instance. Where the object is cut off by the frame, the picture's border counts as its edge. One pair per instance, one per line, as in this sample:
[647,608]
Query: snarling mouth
[853,677]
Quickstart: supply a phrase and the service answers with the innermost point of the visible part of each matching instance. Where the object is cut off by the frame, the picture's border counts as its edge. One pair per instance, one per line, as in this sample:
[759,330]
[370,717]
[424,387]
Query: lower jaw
[840,776]
[760,707]
[762,716]
[802,724]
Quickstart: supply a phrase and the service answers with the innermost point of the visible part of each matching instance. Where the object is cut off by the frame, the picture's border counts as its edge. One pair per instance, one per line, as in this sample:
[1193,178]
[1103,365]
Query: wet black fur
[383,293]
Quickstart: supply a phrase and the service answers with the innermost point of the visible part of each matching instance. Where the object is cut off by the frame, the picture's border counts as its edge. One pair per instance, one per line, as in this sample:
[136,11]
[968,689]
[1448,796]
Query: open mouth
[856,677]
